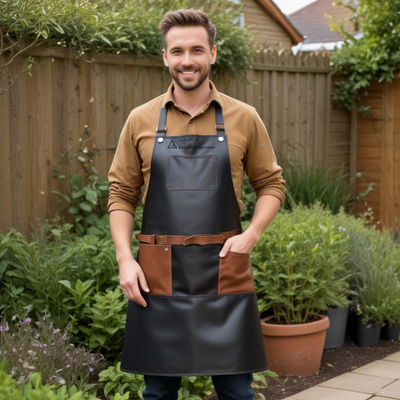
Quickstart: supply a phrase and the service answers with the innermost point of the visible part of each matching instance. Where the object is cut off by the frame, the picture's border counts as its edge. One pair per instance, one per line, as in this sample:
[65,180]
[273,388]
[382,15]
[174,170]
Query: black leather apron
[201,316]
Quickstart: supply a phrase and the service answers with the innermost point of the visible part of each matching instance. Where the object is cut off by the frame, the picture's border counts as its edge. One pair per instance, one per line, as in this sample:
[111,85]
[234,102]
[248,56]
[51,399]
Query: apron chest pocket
[192,172]
[235,273]
[156,263]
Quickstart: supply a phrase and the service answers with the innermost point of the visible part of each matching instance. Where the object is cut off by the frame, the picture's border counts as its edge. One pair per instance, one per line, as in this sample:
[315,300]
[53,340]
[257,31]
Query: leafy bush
[374,261]
[121,26]
[31,271]
[117,381]
[84,192]
[300,265]
[46,350]
[107,317]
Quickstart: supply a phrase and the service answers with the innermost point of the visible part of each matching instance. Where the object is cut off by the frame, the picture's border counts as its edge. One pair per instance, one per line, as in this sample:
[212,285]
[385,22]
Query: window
[239,20]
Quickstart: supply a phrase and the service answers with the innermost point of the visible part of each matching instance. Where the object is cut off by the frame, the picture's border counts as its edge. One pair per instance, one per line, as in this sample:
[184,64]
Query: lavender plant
[40,347]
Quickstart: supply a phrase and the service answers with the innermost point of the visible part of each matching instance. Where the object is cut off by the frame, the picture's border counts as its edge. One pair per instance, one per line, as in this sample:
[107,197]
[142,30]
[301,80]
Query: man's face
[188,55]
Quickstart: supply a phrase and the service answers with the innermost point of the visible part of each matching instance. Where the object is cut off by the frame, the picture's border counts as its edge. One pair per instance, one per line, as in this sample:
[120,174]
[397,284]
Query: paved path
[379,380]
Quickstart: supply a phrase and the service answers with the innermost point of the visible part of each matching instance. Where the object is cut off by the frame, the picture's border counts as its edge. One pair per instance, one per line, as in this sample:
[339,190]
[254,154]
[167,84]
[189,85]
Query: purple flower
[32,353]
[46,316]
[37,335]
[26,321]
[56,331]
[4,328]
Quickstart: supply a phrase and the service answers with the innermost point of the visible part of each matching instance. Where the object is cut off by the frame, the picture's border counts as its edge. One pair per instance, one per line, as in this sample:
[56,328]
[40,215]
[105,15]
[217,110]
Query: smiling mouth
[187,72]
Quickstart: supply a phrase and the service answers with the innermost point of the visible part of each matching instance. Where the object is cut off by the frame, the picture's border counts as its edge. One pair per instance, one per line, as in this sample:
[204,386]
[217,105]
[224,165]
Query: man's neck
[192,100]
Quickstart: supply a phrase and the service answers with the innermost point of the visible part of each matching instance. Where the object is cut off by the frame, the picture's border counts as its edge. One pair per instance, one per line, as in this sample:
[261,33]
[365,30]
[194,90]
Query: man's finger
[138,297]
[142,280]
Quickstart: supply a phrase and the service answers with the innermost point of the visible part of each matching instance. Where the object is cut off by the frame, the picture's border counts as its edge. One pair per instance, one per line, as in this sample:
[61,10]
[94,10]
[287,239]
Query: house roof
[273,10]
[312,22]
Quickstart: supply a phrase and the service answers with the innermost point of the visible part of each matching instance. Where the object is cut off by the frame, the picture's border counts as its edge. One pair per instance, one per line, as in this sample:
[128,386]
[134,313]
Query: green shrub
[374,262]
[107,316]
[31,273]
[122,26]
[300,265]
[119,382]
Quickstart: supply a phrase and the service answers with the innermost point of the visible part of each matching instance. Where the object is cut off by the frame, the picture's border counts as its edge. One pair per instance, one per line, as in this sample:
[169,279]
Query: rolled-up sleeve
[125,175]
[260,163]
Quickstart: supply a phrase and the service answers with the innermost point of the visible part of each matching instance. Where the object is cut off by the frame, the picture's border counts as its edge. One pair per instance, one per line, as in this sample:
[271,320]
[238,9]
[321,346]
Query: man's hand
[242,243]
[266,208]
[130,273]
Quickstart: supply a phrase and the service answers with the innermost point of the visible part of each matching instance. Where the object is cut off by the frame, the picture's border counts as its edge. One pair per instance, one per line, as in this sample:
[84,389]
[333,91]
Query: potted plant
[376,281]
[296,263]
[368,307]
[358,255]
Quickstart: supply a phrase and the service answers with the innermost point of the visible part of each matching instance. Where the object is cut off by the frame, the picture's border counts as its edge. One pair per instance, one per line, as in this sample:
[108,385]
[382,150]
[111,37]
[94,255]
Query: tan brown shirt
[249,146]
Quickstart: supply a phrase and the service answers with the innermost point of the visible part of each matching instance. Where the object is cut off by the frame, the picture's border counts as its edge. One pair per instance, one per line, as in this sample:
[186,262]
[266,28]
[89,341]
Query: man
[192,308]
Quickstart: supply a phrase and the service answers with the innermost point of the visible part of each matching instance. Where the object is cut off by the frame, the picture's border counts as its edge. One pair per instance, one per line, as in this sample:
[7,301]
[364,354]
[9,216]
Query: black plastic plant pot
[391,331]
[367,336]
[336,332]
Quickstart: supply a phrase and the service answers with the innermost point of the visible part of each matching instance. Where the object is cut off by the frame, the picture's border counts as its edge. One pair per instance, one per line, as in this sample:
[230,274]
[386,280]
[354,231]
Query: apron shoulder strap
[219,121]
[162,127]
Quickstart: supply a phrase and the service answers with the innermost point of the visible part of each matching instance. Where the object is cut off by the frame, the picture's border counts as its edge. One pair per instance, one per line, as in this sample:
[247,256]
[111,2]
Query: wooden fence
[45,114]
[378,152]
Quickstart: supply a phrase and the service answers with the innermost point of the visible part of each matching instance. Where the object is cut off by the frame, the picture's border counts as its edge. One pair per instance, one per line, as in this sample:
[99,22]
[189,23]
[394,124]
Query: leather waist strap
[186,240]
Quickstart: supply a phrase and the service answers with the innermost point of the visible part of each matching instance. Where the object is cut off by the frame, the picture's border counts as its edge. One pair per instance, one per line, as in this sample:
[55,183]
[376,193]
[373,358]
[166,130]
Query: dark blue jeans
[228,387]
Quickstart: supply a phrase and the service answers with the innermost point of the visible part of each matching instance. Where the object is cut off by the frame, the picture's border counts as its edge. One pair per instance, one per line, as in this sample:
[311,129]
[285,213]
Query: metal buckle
[162,128]
[220,127]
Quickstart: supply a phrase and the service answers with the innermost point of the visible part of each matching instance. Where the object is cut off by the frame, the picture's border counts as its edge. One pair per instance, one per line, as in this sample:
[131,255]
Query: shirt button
[190,121]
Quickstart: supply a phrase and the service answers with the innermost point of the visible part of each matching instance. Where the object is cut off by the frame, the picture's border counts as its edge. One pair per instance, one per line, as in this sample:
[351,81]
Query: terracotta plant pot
[294,349]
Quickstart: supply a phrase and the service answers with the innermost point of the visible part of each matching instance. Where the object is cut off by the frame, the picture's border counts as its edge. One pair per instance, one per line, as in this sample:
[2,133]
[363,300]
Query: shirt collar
[214,96]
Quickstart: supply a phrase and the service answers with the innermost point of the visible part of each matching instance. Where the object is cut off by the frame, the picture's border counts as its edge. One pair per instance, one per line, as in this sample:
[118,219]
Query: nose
[187,61]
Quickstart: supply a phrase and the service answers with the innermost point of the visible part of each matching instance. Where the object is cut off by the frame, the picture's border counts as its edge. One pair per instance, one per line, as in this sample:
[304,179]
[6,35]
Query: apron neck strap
[219,121]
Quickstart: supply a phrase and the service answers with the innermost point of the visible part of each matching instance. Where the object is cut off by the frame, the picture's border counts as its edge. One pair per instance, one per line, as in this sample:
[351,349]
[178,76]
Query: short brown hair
[185,17]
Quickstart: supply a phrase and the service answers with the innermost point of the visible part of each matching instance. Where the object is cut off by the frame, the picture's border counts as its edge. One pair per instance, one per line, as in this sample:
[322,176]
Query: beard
[195,83]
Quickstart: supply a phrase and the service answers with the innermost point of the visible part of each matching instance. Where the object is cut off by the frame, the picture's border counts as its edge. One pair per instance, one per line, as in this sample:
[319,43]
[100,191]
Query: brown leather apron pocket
[192,172]
[156,263]
[235,273]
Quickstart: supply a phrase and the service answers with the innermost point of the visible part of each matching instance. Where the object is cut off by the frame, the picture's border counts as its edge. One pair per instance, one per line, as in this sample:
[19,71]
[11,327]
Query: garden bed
[334,362]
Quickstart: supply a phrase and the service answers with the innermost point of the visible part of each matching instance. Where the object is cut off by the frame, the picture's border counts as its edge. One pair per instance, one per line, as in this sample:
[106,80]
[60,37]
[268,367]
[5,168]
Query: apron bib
[201,316]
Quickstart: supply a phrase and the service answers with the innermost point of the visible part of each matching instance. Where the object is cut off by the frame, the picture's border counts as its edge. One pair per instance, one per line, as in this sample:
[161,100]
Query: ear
[165,58]
[214,54]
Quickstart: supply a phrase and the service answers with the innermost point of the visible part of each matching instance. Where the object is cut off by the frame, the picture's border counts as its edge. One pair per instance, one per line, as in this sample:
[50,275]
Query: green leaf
[91,196]
[73,210]
[105,40]
[85,206]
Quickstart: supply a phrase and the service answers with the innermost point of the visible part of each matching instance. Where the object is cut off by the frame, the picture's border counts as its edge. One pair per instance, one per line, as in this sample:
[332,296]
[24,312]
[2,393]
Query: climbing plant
[374,56]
